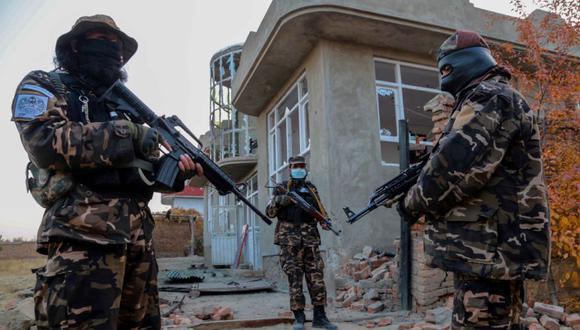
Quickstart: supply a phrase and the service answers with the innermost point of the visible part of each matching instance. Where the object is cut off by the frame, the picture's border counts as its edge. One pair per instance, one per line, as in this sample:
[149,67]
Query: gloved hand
[282,200]
[145,140]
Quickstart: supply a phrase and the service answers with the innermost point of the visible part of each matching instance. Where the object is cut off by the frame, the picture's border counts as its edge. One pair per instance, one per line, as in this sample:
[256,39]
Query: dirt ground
[17,281]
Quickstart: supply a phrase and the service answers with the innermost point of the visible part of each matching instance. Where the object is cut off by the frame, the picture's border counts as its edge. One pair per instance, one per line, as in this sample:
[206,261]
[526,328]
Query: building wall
[345,149]
[189,203]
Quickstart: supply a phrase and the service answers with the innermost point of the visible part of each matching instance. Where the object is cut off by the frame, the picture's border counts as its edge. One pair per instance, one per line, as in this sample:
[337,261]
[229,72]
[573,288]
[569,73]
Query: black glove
[145,141]
[282,200]
[404,214]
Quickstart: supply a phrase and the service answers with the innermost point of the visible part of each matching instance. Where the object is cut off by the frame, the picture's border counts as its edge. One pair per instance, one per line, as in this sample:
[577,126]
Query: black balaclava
[100,60]
[469,57]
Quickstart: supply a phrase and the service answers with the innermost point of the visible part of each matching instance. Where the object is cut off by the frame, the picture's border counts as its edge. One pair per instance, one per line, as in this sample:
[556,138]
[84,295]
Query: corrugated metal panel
[223,249]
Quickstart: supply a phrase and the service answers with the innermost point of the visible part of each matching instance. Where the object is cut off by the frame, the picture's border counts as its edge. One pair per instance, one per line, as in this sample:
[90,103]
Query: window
[402,91]
[288,130]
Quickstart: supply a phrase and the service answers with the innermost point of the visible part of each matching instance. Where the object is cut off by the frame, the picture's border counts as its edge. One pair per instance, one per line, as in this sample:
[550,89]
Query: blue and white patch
[37,89]
[29,106]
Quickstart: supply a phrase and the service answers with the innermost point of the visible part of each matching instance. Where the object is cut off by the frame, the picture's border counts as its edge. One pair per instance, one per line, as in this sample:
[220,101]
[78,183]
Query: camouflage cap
[88,23]
[459,40]
[296,160]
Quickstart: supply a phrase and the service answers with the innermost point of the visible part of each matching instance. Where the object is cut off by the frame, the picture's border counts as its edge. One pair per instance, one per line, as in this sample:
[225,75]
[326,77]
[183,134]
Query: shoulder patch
[30,106]
[37,89]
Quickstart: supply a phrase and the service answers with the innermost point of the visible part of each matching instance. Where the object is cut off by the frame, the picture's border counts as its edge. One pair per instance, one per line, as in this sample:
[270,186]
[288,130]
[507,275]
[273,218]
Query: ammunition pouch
[47,186]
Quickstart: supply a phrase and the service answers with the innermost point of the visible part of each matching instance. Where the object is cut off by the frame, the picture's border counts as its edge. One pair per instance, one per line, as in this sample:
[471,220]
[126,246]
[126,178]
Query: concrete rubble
[551,317]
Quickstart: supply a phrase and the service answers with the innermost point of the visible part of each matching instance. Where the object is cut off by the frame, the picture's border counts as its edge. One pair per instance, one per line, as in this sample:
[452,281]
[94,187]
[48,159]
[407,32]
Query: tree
[545,67]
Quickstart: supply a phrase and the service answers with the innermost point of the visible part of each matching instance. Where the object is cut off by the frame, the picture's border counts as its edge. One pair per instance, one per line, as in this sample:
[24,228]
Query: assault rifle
[167,169]
[394,189]
[308,208]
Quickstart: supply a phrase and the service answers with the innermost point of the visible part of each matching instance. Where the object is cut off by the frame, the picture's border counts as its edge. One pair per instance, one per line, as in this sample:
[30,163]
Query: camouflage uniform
[101,271]
[485,201]
[299,241]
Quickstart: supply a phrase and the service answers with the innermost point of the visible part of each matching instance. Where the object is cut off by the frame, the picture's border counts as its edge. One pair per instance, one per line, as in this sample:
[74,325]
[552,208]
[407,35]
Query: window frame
[398,87]
[274,122]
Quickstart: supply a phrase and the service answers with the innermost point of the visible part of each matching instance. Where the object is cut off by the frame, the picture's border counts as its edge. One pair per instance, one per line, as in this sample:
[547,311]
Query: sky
[169,72]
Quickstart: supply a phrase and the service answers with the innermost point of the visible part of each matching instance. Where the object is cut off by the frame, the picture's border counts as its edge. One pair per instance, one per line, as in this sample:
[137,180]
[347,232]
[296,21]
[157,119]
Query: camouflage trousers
[299,262]
[486,304]
[91,286]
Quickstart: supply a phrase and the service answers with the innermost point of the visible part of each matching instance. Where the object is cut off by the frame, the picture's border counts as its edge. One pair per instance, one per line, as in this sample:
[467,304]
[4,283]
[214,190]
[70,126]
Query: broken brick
[549,322]
[384,322]
[406,325]
[572,320]
[362,275]
[550,310]
[438,315]
[370,296]
[375,307]
[357,306]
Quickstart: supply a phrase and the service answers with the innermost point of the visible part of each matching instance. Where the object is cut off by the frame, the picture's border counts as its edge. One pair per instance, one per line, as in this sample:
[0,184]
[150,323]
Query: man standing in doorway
[92,171]
[299,241]
[482,191]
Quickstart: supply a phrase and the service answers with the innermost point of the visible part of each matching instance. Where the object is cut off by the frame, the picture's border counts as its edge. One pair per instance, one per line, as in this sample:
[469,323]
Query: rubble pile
[367,283]
[550,317]
[197,316]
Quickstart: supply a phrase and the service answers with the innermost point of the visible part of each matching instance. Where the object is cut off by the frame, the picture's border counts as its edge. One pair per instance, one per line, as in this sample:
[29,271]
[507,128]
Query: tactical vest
[293,213]
[83,107]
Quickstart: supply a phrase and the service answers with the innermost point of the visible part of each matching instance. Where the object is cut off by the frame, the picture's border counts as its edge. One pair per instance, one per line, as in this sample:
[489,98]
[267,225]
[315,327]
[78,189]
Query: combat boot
[320,320]
[299,319]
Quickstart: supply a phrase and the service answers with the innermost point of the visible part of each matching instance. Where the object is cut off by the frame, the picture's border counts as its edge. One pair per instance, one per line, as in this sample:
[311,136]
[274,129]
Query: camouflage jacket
[56,138]
[295,227]
[483,190]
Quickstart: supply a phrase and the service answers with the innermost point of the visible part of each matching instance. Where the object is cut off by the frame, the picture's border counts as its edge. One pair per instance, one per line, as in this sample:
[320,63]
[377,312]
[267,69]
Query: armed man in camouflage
[92,172]
[299,241]
[483,191]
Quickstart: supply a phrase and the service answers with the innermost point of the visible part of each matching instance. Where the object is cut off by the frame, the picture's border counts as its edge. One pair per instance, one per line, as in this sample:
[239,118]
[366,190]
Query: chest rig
[82,106]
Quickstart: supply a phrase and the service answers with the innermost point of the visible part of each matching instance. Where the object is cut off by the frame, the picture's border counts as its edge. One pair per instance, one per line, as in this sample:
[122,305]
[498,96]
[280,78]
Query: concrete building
[328,79]
[190,198]
[232,145]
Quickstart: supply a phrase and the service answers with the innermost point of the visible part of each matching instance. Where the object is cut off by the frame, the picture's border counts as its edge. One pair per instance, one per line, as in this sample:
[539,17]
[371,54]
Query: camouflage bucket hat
[88,23]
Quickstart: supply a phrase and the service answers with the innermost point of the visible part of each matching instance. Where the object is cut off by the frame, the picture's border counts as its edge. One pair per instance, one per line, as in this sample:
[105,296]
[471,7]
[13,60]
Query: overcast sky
[170,71]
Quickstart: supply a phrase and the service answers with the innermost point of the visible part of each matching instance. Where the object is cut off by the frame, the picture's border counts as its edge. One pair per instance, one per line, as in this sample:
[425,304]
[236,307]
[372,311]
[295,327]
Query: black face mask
[100,60]
[466,64]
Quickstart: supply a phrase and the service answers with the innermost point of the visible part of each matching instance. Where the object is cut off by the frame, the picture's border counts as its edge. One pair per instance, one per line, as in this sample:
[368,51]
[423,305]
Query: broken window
[402,90]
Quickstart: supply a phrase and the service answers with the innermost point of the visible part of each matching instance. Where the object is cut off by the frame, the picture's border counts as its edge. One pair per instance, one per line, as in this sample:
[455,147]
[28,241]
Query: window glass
[387,112]
[306,125]
[288,102]
[385,71]
[419,121]
[291,134]
[419,77]
[303,87]
[282,145]
[295,133]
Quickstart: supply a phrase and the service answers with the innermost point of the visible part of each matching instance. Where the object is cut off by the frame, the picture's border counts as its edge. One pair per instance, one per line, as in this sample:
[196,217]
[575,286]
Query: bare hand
[188,167]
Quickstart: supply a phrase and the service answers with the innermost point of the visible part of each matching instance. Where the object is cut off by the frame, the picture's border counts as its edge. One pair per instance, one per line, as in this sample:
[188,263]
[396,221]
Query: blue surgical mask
[298,173]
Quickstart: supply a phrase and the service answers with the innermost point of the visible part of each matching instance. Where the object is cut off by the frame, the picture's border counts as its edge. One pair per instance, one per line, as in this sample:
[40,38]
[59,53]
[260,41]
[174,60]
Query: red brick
[357,306]
[341,296]
[384,322]
[536,326]
[551,310]
[549,322]
[362,275]
[406,325]
[371,325]
[572,320]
